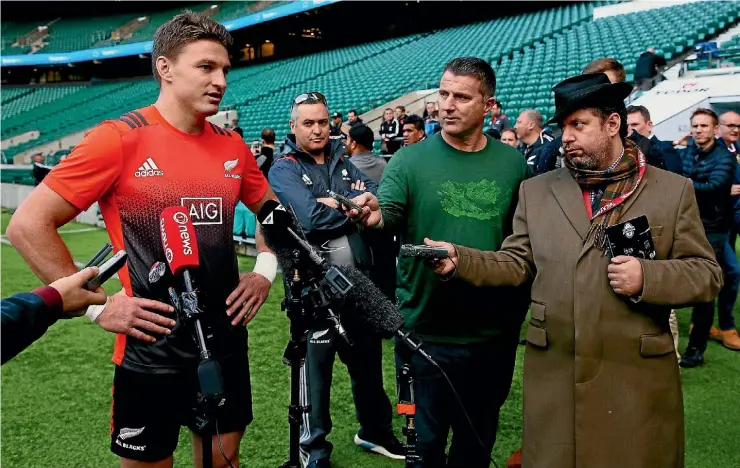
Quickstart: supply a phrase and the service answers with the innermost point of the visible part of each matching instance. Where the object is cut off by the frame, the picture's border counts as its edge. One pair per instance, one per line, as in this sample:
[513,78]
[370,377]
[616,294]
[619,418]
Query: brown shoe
[731,339]
[716,334]
[515,460]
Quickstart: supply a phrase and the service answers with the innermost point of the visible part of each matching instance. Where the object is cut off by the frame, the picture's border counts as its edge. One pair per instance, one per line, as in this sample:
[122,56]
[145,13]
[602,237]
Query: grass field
[56,395]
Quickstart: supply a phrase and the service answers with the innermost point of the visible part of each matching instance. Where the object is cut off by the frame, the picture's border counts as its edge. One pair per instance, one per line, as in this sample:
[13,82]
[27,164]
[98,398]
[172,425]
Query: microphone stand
[408,409]
[211,393]
[295,357]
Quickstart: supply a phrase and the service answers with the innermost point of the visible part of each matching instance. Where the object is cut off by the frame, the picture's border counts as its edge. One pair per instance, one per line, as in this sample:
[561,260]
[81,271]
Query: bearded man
[601,384]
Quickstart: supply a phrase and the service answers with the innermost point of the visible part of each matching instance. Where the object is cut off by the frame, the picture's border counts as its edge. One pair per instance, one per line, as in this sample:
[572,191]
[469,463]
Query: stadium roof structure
[145,47]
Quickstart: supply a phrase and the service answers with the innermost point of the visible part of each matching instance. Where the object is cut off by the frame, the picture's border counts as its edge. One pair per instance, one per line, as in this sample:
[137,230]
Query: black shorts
[149,409]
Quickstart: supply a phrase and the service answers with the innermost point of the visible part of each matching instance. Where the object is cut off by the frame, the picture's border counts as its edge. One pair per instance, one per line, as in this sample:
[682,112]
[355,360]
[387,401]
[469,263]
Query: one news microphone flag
[178,241]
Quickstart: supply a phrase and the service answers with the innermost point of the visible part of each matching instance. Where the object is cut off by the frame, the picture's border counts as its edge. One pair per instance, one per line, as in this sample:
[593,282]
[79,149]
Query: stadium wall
[635,6]
[14,194]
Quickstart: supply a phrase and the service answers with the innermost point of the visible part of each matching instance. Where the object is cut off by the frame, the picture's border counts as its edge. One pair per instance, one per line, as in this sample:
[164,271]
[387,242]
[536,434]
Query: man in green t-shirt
[459,185]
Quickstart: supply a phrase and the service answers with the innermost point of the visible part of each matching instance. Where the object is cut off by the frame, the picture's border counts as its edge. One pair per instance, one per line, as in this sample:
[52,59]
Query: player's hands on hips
[370,215]
[625,275]
[75,298]
[133,316]
[443,266]
[247,298]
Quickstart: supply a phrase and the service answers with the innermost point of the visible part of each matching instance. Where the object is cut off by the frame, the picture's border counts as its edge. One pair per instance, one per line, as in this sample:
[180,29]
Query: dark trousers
[481,374]
[703,314]
[363,361]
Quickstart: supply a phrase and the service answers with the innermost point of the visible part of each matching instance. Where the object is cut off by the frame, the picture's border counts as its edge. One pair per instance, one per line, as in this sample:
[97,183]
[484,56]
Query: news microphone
[179,243]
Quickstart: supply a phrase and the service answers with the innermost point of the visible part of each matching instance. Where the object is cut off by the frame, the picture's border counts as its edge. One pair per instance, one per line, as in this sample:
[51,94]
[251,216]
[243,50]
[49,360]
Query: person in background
[389,130]
[429,109]
[647,69]
[39,169]
[383,245]
[354,119]
[236,128]
[508,137]
[729,131]
[431,119]
[359,148]
[659,153]
[267,152]
[400,114]
[531,131]
[413,130]
[27,316]
[499,120]
[335,128]
[711,168]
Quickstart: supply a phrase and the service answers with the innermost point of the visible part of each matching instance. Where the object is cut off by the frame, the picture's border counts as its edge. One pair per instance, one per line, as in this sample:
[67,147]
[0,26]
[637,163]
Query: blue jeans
[481,374]
[728,294]
[703,314]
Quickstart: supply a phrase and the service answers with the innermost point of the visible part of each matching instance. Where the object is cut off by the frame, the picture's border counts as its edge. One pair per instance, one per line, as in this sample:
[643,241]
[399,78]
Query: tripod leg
[206,443]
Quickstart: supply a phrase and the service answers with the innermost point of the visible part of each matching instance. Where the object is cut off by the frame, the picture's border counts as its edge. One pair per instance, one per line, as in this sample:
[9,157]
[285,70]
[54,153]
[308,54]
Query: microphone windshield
[178,239]
[275,221]
[368,310]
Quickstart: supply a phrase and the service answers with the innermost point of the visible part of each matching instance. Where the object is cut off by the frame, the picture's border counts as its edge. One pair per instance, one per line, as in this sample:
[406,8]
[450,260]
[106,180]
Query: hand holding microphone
[443,266]
[122,314]
[75,297]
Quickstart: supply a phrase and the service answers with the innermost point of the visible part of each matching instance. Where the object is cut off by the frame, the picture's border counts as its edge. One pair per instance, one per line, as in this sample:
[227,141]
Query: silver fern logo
[127,432]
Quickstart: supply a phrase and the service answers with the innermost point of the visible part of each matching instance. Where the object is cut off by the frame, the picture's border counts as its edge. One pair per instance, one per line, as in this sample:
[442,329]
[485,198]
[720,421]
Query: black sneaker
[692,357]
[391,447]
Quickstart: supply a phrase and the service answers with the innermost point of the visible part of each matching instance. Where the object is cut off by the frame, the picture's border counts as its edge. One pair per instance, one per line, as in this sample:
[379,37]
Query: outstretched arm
[513,265]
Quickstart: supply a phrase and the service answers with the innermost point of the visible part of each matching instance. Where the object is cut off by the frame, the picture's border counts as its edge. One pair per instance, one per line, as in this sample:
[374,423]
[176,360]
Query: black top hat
[587,90]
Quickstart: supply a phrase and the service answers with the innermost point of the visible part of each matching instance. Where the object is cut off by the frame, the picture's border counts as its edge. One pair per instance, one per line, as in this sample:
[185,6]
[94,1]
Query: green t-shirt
[433,190]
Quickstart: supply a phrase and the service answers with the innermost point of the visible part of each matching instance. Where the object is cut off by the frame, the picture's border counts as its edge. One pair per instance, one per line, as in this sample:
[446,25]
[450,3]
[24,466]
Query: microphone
[282,234]
[179,242]
[372,311]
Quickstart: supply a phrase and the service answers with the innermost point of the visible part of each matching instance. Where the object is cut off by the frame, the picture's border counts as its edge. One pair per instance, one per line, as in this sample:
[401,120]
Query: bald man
[531,130]
[729,131]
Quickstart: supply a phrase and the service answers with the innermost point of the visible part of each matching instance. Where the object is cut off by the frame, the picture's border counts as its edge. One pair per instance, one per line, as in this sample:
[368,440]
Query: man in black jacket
[531,130]
[646,69]
[335,129]
[711,168]
[658,153]
[311,165]
[389,131]
[27,316]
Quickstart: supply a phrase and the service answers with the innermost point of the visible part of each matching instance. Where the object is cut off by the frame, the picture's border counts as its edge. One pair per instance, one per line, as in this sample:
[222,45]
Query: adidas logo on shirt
[149,169]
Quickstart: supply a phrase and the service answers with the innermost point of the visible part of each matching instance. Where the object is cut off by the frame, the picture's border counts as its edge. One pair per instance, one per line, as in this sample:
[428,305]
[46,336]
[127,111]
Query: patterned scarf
[620,182]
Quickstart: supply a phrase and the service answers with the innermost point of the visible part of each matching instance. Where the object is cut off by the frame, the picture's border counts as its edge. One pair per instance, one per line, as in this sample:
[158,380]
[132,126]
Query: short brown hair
[510,130]
[605,64]
[705,111]
[642,110]
[183,29]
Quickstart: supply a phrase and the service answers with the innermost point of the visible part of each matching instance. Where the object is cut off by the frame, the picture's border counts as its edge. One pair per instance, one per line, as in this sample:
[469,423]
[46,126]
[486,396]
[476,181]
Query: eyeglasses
[312,96]
[731,126]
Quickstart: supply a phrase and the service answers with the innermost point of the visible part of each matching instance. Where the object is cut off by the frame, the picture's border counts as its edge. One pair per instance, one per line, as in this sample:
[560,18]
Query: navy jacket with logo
[712,172]
[297,180]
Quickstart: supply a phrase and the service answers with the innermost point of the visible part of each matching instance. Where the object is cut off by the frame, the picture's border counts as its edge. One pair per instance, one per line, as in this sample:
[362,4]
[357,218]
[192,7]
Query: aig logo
[204,210]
